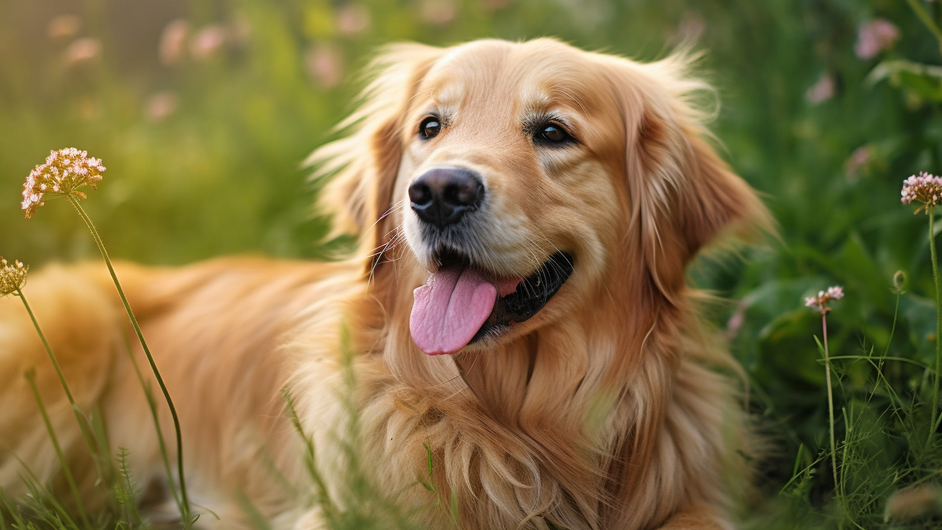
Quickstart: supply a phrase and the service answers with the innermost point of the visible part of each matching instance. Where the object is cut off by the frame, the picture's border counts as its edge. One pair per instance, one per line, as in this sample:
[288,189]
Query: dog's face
[503,190]
[525,177]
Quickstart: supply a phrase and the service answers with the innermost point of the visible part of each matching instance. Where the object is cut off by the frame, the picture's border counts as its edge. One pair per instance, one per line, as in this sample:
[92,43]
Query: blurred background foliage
[203,110]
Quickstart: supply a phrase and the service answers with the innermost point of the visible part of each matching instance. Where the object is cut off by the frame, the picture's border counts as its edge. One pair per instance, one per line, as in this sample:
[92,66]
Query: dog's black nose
[442,196]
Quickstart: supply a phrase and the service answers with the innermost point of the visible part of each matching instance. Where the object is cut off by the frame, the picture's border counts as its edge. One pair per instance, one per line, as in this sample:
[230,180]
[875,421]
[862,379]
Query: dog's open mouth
[460,304]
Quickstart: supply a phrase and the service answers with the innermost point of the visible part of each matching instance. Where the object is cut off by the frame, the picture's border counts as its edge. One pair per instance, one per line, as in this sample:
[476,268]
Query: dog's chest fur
[528,431]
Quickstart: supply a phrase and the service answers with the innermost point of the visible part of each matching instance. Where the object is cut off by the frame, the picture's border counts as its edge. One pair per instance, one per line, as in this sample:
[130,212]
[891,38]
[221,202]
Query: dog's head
[525,179]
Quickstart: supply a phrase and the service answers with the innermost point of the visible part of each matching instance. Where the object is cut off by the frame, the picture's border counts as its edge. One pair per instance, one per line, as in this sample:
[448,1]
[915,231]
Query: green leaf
[921,80]
[888,69]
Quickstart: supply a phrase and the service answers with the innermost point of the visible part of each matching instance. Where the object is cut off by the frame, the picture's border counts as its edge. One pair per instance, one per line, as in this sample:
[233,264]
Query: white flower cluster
[65,170]
[820,302]
[922,188]
[12,277]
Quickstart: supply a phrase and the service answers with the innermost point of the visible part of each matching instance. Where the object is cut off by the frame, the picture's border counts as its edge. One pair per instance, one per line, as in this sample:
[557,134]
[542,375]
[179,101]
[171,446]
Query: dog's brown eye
[554,133]
[430,127]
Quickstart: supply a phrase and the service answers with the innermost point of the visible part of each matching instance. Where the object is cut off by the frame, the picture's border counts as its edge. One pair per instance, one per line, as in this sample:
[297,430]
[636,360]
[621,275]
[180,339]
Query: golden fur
[599,412]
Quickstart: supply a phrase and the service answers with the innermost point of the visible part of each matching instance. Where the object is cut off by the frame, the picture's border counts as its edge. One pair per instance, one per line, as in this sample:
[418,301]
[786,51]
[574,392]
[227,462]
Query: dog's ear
[362,165]
[683,196]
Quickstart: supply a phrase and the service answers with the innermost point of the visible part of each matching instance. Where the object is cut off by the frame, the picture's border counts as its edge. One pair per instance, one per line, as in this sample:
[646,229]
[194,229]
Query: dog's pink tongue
[449,309]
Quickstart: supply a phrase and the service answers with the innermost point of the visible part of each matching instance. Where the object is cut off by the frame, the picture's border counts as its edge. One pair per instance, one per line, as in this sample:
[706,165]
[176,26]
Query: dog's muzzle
[462,302]
[441,196]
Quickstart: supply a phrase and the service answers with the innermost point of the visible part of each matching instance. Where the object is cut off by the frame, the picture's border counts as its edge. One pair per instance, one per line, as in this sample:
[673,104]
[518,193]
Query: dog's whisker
[532,251]
[392,243]
[380,249]
[396,232]
[392,207]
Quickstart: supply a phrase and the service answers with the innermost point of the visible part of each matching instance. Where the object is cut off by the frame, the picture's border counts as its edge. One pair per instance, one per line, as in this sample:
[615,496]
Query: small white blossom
[923,188]
[12,277]
[820,302]
[63,173]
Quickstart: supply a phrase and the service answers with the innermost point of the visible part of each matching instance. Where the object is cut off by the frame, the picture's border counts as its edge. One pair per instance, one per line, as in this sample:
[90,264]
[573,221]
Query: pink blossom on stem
[875,36]
[82,51]
[207,42]
[173,39]
[821,301]
[923,188]
[12,277]
[64,172]
[821,91]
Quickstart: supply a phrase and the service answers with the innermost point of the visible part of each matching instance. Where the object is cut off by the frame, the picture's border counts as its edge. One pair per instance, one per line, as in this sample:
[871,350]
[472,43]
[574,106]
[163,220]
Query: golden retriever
[518,306]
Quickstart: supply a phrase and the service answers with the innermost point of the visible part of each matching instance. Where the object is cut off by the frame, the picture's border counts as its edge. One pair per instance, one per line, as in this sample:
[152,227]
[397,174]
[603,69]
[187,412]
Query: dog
[514,341]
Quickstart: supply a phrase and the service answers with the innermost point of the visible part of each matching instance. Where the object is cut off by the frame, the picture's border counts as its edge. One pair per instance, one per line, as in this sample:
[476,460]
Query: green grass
[220,174]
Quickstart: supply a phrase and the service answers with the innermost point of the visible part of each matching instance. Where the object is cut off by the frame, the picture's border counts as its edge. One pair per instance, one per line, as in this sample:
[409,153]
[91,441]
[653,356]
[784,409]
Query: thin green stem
[86,434]
[147,353]
[883,358]
[926,19]
[69,478]
[5,504]
[938,327]
[310,457]
[827,374]
[847,437]
[42,337]
[152,404]
[889,341]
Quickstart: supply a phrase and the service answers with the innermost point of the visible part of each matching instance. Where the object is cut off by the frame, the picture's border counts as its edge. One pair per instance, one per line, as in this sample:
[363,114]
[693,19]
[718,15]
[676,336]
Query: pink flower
[736,320]
[822,90]
[324,65]
[172,47]
[160,105]
[352,19]
[82,51]
[923,188]
[207,42]
[63,173]
[875,36]
[858,160]
[821,301]
[12,277]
